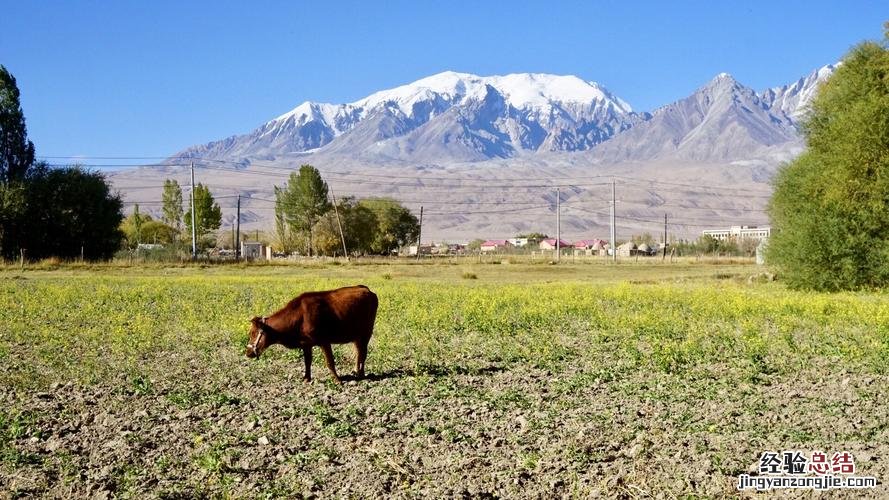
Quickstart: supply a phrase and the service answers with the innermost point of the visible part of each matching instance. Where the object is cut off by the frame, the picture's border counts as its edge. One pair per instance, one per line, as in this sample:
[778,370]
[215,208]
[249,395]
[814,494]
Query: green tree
[71,209]
[172,204]
[396,225]
[282,228]
[138,219]
[208,215]
[475,245]
[141,228]
[304,201]
[16,151]
[13,204]
[359,225]
[157,232]
[16,160]
[830,223]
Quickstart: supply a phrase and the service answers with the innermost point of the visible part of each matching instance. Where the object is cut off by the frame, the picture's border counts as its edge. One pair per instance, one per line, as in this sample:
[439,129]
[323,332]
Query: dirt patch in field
[451,431]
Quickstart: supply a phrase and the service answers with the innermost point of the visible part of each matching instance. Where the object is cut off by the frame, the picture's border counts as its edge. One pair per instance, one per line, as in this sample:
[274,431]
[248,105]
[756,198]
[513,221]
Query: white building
[739,233]
[252,250]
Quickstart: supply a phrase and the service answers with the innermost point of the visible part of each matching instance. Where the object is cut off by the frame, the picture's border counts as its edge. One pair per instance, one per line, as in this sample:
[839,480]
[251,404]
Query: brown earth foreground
[481,432]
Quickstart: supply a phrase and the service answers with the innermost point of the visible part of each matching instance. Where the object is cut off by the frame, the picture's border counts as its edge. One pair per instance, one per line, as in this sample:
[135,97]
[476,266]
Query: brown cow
[319,319]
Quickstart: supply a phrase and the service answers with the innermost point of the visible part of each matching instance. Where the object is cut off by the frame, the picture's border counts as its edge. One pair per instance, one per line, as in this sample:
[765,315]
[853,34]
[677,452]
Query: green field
[486,379]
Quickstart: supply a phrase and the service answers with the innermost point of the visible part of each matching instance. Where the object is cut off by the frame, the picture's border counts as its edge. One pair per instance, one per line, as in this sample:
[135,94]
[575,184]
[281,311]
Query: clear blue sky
[149,78]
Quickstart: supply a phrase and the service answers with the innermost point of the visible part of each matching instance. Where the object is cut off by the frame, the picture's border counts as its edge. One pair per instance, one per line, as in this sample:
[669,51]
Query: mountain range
[479,152]
[459,117]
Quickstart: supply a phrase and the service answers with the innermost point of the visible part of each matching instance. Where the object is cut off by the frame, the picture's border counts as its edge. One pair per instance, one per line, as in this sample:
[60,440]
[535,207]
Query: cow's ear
[256,320]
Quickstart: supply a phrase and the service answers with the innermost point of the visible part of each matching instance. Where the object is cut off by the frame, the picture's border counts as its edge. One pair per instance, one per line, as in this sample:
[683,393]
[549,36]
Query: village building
[496,246]
[628,249]
[424,250]
[255,250]
[594,246]
[739,233]
[550,244]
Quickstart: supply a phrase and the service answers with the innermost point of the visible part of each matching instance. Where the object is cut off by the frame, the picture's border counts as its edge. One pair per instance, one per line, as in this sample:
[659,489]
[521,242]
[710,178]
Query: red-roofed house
[593,244]
[495,245]
[550,244]
[591,247]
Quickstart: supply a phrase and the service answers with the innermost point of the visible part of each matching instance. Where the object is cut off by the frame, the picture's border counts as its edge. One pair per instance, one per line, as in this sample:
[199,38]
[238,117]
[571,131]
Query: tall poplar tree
[304,201]
[830,207]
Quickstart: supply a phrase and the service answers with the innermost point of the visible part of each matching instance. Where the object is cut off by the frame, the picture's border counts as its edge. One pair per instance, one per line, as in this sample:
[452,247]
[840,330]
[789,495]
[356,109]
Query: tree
[141,228]
[138,219]
[157,232]
[71,209]
[208,215]
[830,223]
[282,229]
[645,238]
[304,201]
[16,151]
[396,225]
[172,203]
[16,160]
[475,245]
[359,225]
[13,203]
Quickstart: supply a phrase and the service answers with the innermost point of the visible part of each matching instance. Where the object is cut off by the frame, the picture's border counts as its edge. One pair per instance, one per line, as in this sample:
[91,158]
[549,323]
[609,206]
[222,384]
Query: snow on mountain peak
[308,111]
[522,90]
[528,91]
[794,99]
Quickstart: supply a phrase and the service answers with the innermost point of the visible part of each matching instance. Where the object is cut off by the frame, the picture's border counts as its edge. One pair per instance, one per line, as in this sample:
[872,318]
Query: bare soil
[508,431]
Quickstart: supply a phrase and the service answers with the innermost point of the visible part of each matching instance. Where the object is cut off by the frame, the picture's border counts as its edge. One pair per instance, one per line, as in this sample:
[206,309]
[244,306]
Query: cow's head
[258,337]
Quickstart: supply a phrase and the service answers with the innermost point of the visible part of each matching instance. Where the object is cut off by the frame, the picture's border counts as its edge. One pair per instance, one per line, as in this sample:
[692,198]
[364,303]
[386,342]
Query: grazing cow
[319,319]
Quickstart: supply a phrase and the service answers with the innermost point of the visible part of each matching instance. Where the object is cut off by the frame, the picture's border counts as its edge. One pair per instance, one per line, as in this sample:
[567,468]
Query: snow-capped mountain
[793,100]
[458,115]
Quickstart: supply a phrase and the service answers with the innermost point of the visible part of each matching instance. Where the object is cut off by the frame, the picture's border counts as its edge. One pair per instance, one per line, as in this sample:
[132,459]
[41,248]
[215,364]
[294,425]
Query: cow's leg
[307,359]
[360,356]
[328,357]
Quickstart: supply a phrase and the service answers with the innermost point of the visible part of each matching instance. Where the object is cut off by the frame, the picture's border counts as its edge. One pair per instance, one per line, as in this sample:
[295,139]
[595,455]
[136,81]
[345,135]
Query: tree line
[306,220]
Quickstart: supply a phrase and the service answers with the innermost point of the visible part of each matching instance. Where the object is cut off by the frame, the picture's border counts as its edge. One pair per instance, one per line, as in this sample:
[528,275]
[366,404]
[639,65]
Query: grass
[663,336]
[67,325]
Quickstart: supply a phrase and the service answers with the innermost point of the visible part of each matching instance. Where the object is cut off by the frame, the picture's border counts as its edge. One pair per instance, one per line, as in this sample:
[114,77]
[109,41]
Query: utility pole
[613,236]
[664,257]
[340,225]
[194,229]
[420,233]
[238,231]
[558,225]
